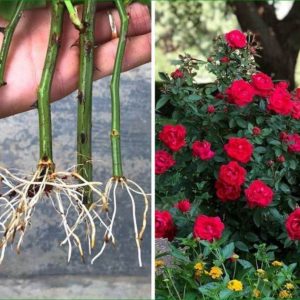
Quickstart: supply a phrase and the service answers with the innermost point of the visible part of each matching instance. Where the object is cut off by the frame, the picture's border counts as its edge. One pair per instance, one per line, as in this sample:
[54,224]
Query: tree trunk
[280,39]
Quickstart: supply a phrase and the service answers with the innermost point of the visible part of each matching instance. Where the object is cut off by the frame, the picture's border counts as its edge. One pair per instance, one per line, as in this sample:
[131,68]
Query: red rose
[280,101]
[240,92]
[163,161]
[177,74]
[258,194]
[236,39]
[225,59]
[282,85]
[208,228]
[239,149]
[211,109]
[256,131]
[262,84]
[183,205]
[202,150]
[292,225]
[232,174]
[297,93]
[296,110]
[164,225]
[293,141]
[173,136]
[227,192]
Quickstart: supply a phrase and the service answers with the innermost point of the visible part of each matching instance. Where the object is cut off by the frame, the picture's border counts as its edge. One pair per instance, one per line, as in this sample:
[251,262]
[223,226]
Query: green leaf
[164,76]
[7,7]
[245,264]
[193,97]
[242,246]
[227,251]
[162,101]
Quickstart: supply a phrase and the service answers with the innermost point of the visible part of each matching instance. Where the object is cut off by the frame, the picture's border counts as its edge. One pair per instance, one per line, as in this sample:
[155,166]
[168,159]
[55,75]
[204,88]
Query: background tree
[179,30]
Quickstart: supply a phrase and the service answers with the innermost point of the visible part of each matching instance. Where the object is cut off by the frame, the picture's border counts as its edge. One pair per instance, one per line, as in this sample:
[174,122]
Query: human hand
[29,45]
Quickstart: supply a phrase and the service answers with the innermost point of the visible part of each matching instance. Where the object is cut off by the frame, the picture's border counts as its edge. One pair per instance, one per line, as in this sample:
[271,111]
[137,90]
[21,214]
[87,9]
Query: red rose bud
[232,174]
[296,110]
[208,228]
[262,84]
[283,136]
[258,194]
[202,150]
[280,101]
[234,257]
[236,39]
[256,131]
[173,136]
[219,96]
[164,225]
[225,60]
[183,205]
[239,149]
[225,109]
[210,59]
[280,159]
[177,74]
[292,225]
[211,109]
[163,162]
[240,92]
[297,93]
[282,85]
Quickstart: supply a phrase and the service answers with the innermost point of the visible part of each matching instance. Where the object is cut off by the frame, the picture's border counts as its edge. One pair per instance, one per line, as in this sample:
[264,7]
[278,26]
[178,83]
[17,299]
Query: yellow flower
[289,286]
[256,293]
[277,263]
[260,273]
[159,263]
[215,272]
[235,285]
[284,294]
[199,266]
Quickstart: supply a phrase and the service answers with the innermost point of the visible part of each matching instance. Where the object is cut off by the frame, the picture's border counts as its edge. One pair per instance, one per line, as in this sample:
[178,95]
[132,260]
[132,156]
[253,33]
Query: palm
[28,49]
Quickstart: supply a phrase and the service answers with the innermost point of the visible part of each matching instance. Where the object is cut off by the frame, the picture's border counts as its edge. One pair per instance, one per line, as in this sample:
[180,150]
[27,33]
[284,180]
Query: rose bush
[235,144]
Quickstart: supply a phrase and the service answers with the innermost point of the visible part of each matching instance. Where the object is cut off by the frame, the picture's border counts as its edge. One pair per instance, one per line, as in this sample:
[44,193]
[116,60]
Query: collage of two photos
[150,149]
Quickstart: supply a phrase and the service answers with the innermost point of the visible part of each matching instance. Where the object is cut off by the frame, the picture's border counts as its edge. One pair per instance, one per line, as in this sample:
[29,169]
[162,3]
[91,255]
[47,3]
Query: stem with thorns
[84,117]
[8,32]
[44,90]
[115,93]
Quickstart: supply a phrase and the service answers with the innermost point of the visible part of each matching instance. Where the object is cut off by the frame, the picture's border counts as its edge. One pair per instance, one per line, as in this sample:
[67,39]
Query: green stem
[115,93]
[74,15]
[44,90]
[84,116]
[8,33]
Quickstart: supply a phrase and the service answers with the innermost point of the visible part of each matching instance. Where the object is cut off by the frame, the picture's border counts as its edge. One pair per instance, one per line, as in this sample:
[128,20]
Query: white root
[113,182]
[20,197]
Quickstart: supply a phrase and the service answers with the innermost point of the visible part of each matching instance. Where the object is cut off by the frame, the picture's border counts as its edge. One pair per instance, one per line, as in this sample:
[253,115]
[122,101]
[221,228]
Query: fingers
[139,22]
[138,52]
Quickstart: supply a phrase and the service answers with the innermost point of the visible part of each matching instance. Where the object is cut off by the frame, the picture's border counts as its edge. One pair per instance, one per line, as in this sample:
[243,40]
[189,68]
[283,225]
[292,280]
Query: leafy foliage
[193,178]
